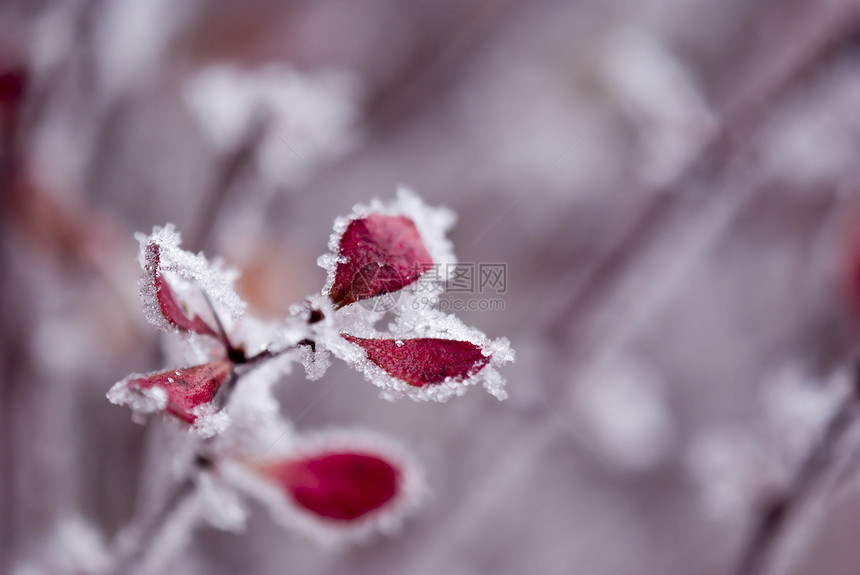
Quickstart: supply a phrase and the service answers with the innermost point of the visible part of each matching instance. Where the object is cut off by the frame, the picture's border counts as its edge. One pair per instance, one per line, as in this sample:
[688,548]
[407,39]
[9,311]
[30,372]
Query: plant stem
[778,515]
[145,530]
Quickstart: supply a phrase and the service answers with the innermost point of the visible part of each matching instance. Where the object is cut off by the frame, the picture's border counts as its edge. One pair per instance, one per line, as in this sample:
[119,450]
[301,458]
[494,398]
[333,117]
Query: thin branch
[231,169]
[605,284]
[777,516]
[146,529]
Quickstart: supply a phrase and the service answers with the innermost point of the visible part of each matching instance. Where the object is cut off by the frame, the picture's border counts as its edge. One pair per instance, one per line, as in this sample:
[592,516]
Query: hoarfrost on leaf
[209,421]
[177,286]
[438,358]
[176,391]
[383,247]
[338,486]
[432,327]
[423,361]
[141,400]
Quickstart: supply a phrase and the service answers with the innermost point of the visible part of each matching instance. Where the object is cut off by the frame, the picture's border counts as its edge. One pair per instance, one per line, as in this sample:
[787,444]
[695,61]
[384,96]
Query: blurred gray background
[672,184]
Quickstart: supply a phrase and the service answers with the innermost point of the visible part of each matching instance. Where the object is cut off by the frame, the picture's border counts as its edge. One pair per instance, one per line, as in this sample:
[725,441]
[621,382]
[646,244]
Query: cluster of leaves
[337,484]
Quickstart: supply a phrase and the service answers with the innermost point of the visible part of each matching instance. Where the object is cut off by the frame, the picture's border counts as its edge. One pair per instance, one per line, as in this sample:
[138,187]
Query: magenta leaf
[424,360]
[171,307]
[379,254]
[188,387]
[13,85]
[343,486]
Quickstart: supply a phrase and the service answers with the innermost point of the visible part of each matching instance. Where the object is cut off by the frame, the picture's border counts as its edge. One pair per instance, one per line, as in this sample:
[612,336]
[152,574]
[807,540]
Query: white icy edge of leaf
[145,401]
[430,324]
[329,532]
[185,272]
[142,401]
[210,421]
[432,224]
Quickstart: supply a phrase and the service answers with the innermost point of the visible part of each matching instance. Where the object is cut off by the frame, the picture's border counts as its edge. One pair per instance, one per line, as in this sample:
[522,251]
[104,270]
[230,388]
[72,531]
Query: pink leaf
[171,307]
[424,360]
[13,85]
[380,254]
[343,486]
[188,387]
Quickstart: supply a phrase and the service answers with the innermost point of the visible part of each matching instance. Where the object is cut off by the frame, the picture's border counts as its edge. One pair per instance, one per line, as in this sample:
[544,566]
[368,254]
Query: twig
[777,516]
[146,530]
[231,168]
[605,284]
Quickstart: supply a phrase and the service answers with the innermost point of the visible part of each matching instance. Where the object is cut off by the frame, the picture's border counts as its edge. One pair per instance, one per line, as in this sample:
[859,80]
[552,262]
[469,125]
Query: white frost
[187,274]
[431,324]
[311,117]
[141,401]
[432,224]
[209,420]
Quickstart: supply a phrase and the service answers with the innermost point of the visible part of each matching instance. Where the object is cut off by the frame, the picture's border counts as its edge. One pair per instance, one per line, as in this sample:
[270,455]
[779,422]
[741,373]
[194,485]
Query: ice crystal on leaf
[180,392]
[423,360]
[430,355]
[384,248]
[176,284]
[378,255]
[381,248]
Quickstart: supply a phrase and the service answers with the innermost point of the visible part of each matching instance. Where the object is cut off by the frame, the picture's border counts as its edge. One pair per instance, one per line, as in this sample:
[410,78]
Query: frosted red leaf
[424,360]
[174,312]
[188,387]
[343,486]
[380,254]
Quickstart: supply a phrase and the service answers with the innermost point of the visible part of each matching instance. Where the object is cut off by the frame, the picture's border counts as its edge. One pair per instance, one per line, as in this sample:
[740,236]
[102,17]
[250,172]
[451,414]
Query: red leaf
[342,485]
[383,255]
[424,360]
[187,387]
[13,85]
[172,309]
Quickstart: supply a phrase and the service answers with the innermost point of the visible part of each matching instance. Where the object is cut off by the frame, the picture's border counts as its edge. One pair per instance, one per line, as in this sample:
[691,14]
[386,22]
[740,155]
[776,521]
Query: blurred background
[672,184]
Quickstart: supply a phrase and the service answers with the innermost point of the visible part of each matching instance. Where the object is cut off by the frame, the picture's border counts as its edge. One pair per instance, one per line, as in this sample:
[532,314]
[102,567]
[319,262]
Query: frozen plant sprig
[337,486]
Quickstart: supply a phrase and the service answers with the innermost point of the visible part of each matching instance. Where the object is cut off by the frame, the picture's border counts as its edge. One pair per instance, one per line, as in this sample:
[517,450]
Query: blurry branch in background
[231,169]
[777,515]
[685,210]
[685,219]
